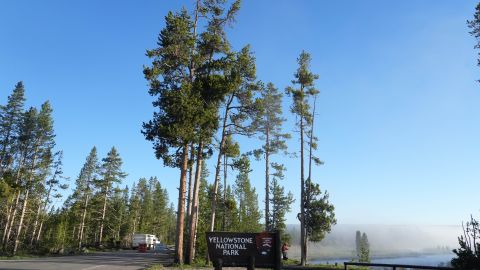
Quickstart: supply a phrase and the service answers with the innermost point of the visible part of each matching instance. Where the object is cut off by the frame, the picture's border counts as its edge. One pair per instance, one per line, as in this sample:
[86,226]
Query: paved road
[128,260]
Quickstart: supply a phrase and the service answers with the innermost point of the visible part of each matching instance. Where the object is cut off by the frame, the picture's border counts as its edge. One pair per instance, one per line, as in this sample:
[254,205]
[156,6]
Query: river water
[426,260]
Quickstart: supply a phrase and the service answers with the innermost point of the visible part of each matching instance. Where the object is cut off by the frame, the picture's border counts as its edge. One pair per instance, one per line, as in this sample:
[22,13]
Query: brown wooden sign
[250,250]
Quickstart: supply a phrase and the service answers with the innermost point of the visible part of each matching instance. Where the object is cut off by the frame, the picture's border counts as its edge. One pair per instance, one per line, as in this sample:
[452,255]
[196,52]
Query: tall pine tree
[269,123]
[10,118]
[84,189]
[186,77]
[173,126]
[302,90]
[39,131]
[111,173]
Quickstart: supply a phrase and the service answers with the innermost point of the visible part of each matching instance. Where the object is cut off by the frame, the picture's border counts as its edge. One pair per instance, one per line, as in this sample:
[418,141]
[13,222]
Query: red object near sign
[142,248]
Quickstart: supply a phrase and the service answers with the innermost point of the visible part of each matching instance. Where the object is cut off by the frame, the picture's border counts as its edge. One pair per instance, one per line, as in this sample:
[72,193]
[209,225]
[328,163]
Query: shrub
[468,255]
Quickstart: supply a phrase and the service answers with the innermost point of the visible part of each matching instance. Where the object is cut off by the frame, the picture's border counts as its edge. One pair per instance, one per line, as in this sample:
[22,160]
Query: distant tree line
[98,213]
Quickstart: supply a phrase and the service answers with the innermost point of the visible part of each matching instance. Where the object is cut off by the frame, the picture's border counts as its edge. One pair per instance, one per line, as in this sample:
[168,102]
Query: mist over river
[425,260]
[429,245]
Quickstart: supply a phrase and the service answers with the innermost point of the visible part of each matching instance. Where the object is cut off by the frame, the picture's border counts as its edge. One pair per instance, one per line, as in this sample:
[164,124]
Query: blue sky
[398,114]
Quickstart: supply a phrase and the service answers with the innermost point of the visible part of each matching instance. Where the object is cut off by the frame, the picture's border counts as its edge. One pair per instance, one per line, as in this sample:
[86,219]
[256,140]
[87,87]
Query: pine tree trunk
[14,206]
[195,209]
[196,226]
[100,235]
[181,207]
[44,211]
[190,182]
[217,168]
[267,180]
[274,206]
[311,144]
[7,222]
[192,78]
[303,243]
[82,223]
[35,225]
[224,191]
[10,207]
[309,188]
[20,222]
[25,200]
[12,220]
[39,230]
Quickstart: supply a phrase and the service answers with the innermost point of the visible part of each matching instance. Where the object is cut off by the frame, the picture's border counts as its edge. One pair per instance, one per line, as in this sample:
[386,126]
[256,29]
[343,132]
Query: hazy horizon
[385,240]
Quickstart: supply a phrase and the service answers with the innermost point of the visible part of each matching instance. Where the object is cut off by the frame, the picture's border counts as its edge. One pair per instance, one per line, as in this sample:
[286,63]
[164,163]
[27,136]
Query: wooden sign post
[261,250]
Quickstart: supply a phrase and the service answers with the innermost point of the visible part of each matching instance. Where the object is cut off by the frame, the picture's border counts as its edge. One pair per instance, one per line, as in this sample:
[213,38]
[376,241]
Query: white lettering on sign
[230,240]
[230,252]
[230,246]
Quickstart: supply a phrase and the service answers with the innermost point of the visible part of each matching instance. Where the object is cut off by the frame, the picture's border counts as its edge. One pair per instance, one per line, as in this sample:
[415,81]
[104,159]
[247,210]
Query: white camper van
[148,239]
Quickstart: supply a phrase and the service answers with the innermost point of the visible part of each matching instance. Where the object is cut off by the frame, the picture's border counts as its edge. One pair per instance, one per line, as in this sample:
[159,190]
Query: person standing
[284,250]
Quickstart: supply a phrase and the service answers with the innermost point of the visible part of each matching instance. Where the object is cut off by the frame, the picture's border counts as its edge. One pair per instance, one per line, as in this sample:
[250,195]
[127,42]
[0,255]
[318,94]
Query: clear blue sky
[399,110]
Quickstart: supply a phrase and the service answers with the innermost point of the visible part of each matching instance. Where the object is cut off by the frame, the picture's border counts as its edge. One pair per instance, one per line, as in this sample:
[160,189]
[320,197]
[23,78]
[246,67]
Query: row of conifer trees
[98,211]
